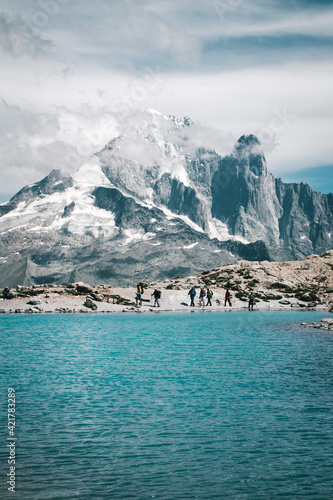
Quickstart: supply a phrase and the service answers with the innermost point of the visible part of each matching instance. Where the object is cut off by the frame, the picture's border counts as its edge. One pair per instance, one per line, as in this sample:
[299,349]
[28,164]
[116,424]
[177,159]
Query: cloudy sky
[72,72]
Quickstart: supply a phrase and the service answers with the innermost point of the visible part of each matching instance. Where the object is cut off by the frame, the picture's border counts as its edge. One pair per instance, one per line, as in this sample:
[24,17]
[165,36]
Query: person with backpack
[227,298]
[139,293]
[192,293]
[202,297]
[209,297]
[157,295]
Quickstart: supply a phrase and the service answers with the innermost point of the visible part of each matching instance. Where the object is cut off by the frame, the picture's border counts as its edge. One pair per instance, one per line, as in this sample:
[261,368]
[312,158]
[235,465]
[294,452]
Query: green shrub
[253,283]
[213,276]
[281,286]
[271,296]
[304,297]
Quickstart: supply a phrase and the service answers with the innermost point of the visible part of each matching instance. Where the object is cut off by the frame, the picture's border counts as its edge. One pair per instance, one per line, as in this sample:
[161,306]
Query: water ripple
[234,406]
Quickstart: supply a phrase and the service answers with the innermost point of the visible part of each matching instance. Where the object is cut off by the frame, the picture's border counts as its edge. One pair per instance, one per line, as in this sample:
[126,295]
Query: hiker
[209,297]
[251,302]
[139,293]
[202,297]
[227,298]
[5,292]
[192,293]
[157,295]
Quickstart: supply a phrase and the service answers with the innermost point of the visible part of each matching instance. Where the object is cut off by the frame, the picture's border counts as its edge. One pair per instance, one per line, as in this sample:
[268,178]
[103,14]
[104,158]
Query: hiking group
[139,292]
[206,293]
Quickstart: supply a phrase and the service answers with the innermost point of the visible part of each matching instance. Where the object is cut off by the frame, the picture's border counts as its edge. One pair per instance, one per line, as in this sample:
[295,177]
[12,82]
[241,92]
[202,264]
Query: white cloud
[288,107]
[92,64]
[268,20]
[18,39]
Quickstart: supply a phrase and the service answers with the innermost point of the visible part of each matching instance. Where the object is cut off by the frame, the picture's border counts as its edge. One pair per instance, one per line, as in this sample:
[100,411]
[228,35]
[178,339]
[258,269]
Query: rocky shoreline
[307,284]
[325,324]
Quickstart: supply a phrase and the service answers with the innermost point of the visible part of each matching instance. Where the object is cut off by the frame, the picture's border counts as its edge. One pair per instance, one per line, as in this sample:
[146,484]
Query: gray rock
[83,288]
[89,303]
[34,302]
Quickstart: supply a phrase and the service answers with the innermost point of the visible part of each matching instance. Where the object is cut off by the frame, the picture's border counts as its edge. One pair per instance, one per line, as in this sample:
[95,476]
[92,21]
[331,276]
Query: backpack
[209,294]
[158,294]
[140,290]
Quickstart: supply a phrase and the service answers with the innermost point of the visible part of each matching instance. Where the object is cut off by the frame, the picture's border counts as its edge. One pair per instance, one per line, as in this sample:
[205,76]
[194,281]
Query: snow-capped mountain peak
[156,203]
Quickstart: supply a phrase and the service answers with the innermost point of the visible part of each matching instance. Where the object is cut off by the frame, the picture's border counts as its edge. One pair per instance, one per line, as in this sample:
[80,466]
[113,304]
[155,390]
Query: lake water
[169,406]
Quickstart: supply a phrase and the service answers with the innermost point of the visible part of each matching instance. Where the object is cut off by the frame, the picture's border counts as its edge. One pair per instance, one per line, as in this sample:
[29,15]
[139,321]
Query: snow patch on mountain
[84,218]
[171,215]
[131,236]
[91,174]
[48,213]
[219,230]
[188,247]
[176,170]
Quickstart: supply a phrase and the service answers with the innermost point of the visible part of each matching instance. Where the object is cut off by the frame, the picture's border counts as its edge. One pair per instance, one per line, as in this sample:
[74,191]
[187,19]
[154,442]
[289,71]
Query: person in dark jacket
[157,295]
[202,297]
[227,298]
[209,297]
[192,293]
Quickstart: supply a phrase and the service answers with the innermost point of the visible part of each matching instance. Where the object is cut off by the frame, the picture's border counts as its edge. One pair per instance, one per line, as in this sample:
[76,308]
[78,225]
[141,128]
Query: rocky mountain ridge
[155,204]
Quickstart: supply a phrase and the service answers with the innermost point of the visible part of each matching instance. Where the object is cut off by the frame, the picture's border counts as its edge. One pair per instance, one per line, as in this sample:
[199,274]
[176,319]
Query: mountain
[156,204]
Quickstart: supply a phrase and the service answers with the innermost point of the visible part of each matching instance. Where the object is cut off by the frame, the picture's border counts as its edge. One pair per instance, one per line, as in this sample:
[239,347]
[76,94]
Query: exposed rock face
[306,223]
[244,194]
[153,205]
[181,199]
[256,206]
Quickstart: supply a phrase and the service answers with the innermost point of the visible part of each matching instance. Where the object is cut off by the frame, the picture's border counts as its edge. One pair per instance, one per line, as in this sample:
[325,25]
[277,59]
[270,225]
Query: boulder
[83,288]
[34,302]
[90,303]
[97,296]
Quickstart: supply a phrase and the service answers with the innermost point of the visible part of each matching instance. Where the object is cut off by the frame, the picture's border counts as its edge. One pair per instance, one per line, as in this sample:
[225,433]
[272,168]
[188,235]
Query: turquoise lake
[169,406]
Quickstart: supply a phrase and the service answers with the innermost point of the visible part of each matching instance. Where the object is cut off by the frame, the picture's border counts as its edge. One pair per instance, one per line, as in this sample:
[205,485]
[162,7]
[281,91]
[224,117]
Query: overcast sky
[72,72]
